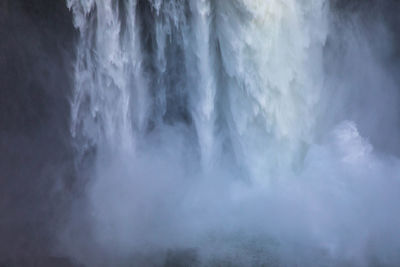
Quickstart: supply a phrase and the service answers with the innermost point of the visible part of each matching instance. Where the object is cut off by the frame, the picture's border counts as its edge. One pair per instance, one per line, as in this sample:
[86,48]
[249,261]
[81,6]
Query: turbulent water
[221,126]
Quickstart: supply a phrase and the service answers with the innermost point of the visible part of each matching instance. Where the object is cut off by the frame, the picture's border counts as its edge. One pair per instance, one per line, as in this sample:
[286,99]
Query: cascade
[245,76]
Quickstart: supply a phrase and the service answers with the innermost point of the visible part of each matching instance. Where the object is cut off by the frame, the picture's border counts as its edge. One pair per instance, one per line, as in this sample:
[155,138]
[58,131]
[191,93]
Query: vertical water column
[167,31]
[185,76]
[271,56]
[110,100]
[140,100]
[204,83]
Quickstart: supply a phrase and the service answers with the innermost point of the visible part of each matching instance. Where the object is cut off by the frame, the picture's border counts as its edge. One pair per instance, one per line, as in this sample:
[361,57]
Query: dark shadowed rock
[35,155]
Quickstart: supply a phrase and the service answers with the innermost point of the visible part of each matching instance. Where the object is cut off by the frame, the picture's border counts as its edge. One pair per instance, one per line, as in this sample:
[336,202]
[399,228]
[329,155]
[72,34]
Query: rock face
[35,61]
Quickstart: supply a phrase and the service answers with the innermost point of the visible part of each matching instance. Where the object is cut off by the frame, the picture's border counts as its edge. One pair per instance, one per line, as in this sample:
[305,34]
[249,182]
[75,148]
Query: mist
[201,133]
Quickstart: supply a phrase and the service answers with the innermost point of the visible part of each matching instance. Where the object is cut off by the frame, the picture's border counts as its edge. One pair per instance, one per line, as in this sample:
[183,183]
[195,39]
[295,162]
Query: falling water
[204,120]
[214,66]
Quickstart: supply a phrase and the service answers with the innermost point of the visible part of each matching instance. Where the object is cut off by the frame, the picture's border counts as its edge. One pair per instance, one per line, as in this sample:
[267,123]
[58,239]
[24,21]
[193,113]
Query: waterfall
[220,125]
[241,74]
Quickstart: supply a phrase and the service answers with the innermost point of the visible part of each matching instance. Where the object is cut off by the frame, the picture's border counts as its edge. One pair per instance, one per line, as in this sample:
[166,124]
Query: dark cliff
[35,84]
